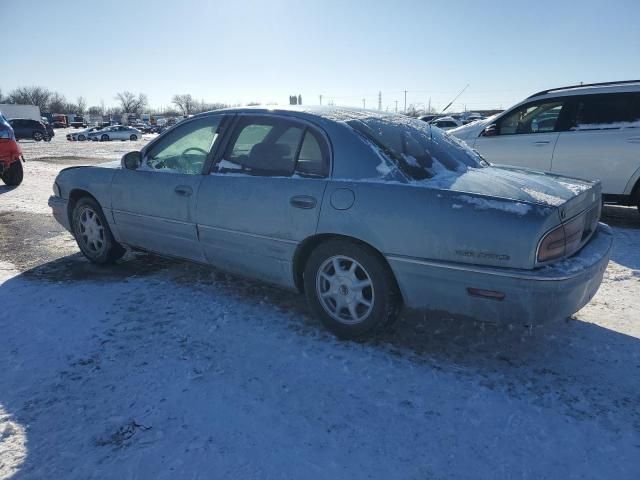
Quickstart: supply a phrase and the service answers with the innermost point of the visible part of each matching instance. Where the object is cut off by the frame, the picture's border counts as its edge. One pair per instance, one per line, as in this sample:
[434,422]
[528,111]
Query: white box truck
[10,110]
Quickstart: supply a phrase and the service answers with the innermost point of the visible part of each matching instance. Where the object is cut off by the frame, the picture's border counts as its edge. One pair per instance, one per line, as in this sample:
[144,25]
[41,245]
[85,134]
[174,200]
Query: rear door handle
[540,143]
[184,190]
[303,201]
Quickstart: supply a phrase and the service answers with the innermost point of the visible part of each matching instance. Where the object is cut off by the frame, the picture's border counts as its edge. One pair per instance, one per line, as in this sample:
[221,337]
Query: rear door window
[607,111]
[271,146]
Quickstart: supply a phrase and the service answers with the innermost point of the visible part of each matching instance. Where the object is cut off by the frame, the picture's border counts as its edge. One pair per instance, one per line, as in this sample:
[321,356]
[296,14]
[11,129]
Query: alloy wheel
[91,231]
[345,290]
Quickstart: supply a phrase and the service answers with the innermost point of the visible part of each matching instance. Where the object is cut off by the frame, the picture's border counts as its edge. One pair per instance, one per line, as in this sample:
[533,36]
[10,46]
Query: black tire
[81,138]
[47,138]
[105,249]
[37,136]
[14,174]
[104,138]
[383,296]
[133,137]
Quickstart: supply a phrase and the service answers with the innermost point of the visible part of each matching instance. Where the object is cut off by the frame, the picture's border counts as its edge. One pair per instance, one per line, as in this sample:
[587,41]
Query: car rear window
[419,151]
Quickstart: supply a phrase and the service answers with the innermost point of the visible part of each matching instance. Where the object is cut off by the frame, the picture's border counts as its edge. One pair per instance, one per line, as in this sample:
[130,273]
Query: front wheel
[37,136]
[350,288]
[92,233]
[133,138]
[104,138]
[14,174]
[81,138]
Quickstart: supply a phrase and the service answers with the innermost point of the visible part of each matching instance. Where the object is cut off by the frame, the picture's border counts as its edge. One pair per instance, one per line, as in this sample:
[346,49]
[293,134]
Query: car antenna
[456,97]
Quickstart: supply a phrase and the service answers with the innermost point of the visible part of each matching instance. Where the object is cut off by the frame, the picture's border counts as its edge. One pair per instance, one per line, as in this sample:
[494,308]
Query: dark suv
[25,128]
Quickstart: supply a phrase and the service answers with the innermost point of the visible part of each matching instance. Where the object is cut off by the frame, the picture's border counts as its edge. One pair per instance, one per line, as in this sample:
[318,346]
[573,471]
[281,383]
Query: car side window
[313,159]
[263,146]
[607,111]
[540,117]
[185,148]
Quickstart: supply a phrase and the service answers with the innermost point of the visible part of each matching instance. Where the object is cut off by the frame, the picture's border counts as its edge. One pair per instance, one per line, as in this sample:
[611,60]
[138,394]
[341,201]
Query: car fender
[628,190]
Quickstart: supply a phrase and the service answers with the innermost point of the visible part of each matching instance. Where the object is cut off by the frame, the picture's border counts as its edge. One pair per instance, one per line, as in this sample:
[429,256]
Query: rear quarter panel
[433,224]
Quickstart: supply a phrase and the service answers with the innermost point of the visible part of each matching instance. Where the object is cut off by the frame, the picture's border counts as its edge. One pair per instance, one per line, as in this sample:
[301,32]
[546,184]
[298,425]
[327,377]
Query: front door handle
[303,201]
[184,190]
[540,143]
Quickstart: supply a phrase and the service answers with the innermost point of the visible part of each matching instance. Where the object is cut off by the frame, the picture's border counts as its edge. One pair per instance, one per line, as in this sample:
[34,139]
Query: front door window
[185,149]
[532,118]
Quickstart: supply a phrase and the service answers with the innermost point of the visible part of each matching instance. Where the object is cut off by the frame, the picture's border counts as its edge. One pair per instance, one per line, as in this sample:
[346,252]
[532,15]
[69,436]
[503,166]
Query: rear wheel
[350,288]
[104,138]
[14,174]
[92,233]
[133,137]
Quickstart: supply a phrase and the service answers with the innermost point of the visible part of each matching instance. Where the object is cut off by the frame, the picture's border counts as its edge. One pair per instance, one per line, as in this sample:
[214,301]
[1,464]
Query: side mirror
[490,131]
[132,160]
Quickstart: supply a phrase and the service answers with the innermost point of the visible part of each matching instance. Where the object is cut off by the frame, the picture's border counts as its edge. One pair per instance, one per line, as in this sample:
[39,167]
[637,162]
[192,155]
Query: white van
[585,131]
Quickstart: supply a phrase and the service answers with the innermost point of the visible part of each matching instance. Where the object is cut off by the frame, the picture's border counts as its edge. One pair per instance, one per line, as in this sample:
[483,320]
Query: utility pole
[396,106]
[380,100]
[320,99]
[429,105]
[405,101]
[364,103]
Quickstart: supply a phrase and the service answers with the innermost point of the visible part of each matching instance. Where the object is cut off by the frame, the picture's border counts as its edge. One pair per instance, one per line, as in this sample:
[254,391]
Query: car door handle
[303,201]
[540,143]
[633,140]
[184,190]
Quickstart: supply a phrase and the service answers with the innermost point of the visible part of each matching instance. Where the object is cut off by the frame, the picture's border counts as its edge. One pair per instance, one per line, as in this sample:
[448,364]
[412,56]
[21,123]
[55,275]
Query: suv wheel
[14,174]
[350,288]
[92,233]
[37,136]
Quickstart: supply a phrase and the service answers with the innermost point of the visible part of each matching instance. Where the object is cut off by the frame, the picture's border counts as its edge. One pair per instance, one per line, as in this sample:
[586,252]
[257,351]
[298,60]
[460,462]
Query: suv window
[185,149]
[532,118]
[268,146]
[606,111]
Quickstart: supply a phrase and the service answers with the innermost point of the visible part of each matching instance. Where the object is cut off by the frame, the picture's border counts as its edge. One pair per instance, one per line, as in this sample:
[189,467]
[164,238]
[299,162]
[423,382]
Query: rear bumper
[530,296]
[59,210]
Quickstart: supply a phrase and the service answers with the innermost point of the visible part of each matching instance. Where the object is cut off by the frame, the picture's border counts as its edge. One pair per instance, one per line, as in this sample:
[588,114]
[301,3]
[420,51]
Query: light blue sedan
[363,212]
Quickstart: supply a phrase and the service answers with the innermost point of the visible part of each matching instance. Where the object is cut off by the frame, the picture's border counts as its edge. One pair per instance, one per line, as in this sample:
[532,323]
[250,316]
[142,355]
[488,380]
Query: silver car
[363,212]
[116,132]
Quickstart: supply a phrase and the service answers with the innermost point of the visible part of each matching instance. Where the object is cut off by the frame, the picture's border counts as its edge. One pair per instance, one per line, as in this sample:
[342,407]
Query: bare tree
[185,103]
[2,100]
[81,105]
[57,103]
[129,103]
[30,96]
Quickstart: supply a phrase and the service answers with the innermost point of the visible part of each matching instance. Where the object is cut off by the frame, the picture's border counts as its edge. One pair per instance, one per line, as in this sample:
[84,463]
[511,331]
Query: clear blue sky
[237,51]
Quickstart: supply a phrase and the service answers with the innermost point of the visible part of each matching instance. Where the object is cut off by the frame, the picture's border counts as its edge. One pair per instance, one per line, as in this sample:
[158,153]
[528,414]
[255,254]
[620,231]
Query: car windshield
[420,151]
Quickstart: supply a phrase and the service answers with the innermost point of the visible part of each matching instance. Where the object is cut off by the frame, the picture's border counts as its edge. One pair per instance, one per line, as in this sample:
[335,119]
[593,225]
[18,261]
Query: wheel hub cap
[91,231]
[345,290]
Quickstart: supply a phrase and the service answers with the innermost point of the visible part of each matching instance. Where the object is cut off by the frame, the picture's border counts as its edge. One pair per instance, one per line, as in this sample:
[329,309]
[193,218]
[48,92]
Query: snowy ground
[160,369]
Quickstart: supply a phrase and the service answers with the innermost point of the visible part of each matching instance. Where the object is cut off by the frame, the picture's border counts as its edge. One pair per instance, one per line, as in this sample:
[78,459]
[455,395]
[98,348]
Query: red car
[10,155]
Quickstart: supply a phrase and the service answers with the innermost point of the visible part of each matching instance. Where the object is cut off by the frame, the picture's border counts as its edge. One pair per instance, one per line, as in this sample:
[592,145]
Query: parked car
[25,128]
[10,155]
[82,135]
[364,212]
[116,132]
[587,131]
[446,123]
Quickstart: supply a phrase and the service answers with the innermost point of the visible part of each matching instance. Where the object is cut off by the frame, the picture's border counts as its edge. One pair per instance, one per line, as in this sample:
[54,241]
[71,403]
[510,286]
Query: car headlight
[56,190]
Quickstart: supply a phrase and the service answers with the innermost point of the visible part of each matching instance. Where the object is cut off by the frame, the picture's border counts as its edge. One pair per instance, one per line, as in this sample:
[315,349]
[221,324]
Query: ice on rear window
[412,147]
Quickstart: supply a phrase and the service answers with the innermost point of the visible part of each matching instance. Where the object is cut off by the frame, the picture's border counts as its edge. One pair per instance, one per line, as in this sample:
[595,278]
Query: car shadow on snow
[578,369]
[6,189]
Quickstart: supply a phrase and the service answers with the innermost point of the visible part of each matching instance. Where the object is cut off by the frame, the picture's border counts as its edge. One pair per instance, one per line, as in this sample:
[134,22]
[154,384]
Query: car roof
[591,88]
[337,114]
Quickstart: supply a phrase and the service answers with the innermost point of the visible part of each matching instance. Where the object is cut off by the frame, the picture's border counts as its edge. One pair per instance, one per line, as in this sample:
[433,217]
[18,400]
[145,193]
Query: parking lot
[155,366]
